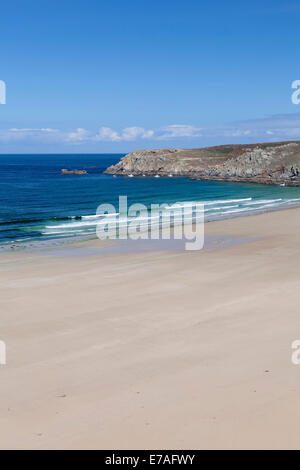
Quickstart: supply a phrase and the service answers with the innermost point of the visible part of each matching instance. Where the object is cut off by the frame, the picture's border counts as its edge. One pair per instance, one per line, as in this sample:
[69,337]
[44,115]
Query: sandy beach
[163,349]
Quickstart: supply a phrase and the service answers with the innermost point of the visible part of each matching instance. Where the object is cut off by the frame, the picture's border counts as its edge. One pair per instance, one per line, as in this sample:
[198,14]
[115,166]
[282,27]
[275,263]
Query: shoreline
[155,350]
[200,177]
[65,242]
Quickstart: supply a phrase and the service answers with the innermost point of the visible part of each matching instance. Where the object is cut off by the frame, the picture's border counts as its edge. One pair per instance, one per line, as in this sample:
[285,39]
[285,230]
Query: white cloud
[32,130]
[28,133]
[132,133]
[235,132]
[280,127]
[179,130]
[127,134]
[107,134]
[79,135]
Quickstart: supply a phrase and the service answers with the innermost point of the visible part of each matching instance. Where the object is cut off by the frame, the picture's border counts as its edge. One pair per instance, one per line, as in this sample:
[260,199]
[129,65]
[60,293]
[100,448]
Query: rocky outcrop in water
[73,172]
[268,163]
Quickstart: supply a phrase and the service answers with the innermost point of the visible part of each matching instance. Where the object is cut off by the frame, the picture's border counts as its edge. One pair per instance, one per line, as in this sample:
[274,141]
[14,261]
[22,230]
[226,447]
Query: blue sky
[98,76]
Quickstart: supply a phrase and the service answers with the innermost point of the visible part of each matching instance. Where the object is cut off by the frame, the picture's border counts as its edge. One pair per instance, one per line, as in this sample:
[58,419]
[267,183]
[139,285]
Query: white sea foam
[96,216]
[293,200]
[225,201]
[219,208]
[259,205]
[71,225]
[236,210]
[262,201]
[206,203]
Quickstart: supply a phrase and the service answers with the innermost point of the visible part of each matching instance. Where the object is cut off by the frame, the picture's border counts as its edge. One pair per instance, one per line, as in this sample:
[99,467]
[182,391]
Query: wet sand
[160,348]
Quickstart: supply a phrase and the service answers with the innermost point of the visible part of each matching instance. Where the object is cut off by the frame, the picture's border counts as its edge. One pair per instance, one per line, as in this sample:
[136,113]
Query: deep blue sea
[38,203]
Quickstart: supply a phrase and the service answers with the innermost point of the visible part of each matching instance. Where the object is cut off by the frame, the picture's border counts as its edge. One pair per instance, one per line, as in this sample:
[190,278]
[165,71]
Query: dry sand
[164,349]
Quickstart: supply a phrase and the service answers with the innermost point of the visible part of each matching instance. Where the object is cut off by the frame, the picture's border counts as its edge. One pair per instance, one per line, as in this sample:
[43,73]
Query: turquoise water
[38,203]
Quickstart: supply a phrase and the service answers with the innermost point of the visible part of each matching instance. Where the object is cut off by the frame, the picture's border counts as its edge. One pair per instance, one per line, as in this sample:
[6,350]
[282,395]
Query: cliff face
[268,163]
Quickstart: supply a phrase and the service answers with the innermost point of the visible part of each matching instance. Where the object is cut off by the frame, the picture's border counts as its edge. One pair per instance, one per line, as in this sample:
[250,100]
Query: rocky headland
[268,163]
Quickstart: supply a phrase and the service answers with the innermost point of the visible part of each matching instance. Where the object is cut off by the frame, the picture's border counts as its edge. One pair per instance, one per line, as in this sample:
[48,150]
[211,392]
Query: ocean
[40,204]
